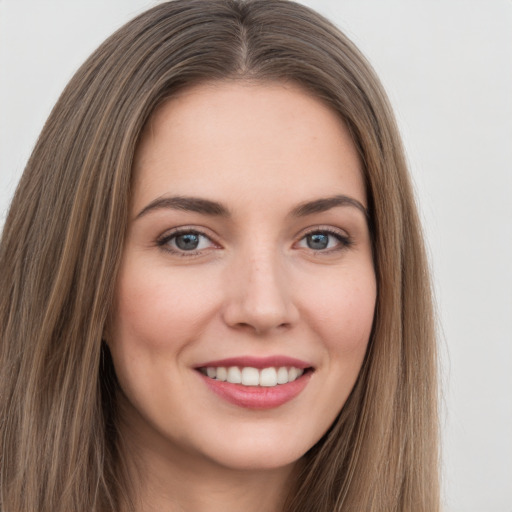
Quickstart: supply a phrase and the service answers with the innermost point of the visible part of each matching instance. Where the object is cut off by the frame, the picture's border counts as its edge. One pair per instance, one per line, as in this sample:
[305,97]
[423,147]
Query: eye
[324,240]
[184,241]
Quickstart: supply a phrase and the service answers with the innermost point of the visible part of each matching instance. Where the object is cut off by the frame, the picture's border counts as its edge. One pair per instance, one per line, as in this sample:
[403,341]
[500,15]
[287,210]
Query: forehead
[221,136]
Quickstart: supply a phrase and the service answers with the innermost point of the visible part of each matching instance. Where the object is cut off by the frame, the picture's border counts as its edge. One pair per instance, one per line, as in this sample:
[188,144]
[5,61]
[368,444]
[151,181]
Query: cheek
[340,314]
[155,308]
[341,311]
[157,314]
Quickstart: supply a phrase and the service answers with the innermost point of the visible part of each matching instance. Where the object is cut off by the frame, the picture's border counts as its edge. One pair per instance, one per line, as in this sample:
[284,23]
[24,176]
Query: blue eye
[324,240]
[318,241]
[185,241]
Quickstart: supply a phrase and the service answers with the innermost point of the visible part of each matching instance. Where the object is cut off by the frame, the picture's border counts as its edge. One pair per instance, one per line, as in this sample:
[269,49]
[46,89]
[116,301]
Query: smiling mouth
[256,382]
[255,377]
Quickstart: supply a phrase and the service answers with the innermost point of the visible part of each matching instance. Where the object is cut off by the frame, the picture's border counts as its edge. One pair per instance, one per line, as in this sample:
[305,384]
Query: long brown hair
[63,240]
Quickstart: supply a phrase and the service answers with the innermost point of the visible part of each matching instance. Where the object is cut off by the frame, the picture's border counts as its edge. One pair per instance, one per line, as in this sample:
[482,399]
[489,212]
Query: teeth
[247,376]
[250,376]
[234,375]
[268,377]
[293,373]
[282,375]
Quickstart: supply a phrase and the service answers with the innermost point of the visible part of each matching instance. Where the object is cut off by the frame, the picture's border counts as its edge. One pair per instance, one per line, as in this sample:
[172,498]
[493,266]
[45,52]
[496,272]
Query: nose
[259,295]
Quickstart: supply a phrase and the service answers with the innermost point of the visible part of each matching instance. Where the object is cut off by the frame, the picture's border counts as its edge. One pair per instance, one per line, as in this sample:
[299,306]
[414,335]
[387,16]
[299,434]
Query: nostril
[260,328]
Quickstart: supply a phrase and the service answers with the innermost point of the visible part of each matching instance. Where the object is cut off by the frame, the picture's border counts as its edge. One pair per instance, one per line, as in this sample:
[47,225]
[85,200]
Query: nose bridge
[259,292]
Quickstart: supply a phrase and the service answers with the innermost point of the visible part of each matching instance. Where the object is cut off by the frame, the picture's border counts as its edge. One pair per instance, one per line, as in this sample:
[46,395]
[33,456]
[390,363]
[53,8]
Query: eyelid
[168,235]
[162,241]
[343,237]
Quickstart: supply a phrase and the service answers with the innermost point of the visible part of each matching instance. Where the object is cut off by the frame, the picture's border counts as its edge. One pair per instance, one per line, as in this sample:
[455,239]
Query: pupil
[187,242]
[318,241]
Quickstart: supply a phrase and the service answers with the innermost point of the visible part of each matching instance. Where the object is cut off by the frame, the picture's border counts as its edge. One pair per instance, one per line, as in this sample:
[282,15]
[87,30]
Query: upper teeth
[248,376]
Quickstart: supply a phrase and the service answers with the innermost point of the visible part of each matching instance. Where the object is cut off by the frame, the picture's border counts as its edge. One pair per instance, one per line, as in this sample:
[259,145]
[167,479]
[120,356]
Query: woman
[214,293]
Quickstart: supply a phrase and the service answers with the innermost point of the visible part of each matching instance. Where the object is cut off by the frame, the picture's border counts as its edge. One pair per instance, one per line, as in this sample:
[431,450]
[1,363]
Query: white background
[447,66]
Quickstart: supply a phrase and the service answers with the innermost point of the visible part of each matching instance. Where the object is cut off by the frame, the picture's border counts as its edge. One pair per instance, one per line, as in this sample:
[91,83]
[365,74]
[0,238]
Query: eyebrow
[188,204]
[325,204]
[208,207]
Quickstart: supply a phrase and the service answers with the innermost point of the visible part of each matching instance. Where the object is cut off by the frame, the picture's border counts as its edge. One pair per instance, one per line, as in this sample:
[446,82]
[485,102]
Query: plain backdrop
[447,67]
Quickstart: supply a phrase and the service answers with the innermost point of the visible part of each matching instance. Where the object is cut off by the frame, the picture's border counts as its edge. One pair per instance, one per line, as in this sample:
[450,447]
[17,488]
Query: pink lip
[256,397]
[257,362]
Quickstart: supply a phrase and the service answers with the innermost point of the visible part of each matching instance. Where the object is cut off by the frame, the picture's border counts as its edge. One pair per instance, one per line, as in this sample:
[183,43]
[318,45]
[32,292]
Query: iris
[318,241]
[187,241]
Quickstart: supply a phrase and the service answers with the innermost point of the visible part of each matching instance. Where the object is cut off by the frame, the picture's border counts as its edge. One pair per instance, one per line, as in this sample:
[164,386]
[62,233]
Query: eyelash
[163,242]
[344,240]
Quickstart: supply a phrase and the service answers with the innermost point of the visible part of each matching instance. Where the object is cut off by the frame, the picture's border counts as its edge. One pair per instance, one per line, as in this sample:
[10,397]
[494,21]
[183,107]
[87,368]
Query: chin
[258,450]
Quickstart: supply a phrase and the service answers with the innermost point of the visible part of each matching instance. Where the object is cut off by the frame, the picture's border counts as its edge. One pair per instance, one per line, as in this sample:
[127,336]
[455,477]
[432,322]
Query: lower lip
[257,397]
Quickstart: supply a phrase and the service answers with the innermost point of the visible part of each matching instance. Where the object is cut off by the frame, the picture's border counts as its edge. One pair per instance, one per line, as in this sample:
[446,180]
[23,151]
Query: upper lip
[256,362]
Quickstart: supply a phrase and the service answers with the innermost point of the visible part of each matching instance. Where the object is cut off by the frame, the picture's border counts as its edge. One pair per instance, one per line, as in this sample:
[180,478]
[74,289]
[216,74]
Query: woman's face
[246,292]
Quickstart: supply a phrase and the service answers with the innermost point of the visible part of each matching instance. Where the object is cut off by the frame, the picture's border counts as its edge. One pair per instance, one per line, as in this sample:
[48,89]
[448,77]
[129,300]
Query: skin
[254,286]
